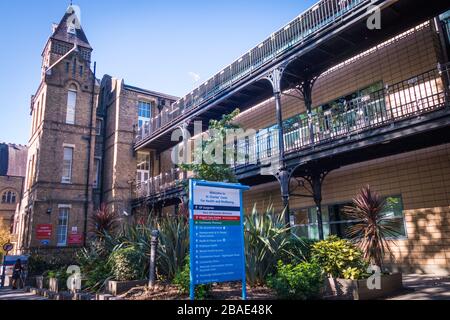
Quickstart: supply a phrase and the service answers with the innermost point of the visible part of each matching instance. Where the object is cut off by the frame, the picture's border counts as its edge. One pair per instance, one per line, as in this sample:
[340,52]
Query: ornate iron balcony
[410,98]
[305,26]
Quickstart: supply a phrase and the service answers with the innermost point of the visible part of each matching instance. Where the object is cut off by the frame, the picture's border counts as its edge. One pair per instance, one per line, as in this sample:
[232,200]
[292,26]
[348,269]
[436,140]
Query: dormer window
[71,29]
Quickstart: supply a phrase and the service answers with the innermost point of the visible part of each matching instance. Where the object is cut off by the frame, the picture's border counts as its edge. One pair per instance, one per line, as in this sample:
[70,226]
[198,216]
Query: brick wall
[14,184]
[45,193]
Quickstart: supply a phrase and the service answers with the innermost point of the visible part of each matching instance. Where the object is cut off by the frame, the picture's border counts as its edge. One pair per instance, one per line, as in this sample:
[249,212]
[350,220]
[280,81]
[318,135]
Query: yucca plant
[104,221]
[173,245]
[372,229]
[173,242]
[267,239]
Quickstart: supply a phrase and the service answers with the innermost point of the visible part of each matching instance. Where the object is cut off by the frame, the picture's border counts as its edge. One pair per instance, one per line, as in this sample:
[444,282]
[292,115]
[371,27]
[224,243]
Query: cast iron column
[153,250]
[306,90]
[316,181]
[186,135]
[283,175]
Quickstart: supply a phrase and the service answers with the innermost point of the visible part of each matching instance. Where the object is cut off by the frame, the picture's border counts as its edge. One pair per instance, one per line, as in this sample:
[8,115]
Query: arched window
[71,104]
[9,197]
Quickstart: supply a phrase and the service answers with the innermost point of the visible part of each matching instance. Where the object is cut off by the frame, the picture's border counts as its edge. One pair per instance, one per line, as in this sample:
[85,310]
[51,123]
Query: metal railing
[410,98]
[159,184]
[320,16]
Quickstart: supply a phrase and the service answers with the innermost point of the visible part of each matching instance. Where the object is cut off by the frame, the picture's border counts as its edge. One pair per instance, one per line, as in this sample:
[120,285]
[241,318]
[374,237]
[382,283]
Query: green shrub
[297,282]
[266,239]
[95,268]
[340,258]
[183,280]
[37,265]
[173,246]
[60,274]
[173,243]
[297,250]
[126,264]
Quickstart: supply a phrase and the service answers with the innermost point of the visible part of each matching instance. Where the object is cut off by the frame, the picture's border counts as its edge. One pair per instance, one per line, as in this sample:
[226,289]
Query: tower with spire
[58,197]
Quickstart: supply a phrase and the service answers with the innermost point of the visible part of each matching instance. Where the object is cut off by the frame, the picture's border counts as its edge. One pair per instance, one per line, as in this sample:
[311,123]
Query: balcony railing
[410,98]
[406,99]
[320,16]
[159,184]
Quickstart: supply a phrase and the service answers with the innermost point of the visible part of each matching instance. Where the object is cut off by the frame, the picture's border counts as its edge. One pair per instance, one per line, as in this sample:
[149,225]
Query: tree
[372,229]
[221,172]
[104,221]
[5,236]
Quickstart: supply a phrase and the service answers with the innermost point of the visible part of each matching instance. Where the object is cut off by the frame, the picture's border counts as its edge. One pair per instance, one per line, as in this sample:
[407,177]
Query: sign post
[7,247]
[216,220]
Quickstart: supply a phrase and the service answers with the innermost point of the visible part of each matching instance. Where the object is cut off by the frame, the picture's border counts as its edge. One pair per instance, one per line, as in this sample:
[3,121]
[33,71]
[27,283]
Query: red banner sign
[75,239]
[44,231]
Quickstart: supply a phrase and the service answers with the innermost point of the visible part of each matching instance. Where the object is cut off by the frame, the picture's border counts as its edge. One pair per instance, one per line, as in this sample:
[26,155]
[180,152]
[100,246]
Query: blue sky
[158,44]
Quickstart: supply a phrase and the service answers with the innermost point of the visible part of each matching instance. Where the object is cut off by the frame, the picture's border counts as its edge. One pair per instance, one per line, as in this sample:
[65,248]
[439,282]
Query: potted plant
[127,266]
[372,233]
[344,265]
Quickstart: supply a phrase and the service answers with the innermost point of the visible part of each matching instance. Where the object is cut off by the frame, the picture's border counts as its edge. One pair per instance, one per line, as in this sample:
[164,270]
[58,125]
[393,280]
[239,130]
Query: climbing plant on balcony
[221,172]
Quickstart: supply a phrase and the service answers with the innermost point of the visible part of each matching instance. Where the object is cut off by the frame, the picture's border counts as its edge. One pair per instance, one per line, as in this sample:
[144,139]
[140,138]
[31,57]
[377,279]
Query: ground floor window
[336,223]
[63,222]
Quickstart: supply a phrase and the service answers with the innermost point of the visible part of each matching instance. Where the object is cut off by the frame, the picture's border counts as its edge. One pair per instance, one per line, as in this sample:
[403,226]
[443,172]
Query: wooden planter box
[53,285]
[343,289]
[119,287]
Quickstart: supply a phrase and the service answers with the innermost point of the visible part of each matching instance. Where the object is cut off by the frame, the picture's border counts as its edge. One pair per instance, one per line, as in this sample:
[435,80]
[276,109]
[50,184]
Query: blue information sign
[216,233]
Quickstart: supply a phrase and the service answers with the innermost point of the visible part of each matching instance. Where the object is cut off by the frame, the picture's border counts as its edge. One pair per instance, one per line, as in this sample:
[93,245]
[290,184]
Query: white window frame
[141,172]
[97,165]
[72,96]
[327,224]
[63,228]
[98,126]
[142,121]
[9,197]
[67,179]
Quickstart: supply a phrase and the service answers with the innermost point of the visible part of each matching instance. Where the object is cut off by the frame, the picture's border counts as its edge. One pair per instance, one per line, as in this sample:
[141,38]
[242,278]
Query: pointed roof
[61,32]
[13,160]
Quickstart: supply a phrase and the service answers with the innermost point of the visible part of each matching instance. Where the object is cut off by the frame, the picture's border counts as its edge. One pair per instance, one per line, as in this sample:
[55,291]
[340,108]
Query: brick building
[13,159]
[80,151]
[356,108]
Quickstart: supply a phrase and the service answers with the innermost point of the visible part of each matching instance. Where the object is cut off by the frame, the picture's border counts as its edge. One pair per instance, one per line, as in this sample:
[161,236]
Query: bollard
[154,248]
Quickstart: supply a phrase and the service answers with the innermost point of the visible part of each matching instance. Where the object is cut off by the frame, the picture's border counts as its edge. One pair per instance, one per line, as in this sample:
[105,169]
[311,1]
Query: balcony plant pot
[345,289]
[116,288]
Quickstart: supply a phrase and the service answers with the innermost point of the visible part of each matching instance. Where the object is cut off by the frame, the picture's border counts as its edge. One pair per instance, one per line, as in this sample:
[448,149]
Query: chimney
[54,27]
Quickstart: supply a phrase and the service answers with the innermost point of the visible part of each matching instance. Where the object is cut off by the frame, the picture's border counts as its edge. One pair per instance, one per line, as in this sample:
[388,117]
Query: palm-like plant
[104,221]
[372,229]
[266,240]
[173,242]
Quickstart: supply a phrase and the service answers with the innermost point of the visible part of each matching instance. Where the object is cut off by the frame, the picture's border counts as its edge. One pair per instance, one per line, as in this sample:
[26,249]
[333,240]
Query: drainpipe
[88,174]
[74,49]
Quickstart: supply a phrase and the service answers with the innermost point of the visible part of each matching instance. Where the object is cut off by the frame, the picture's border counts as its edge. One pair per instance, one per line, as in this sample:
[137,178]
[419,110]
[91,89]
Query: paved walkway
[420,287]
[9,294]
